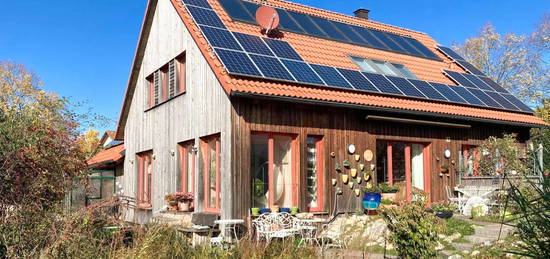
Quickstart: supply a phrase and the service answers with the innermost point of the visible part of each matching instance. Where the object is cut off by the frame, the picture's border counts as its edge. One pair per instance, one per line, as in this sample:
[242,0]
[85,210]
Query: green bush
[413,230]
[454,225]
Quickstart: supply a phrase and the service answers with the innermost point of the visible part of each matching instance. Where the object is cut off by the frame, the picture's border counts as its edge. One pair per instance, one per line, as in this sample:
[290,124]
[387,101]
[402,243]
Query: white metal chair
[459,201]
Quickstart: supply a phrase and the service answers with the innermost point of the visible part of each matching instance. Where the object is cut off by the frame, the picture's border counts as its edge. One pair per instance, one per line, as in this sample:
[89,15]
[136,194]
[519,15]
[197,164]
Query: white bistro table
[229,225]
[309,229]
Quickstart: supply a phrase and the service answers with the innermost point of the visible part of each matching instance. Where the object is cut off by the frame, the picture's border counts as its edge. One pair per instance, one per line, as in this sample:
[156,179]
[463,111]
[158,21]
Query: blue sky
[84,49]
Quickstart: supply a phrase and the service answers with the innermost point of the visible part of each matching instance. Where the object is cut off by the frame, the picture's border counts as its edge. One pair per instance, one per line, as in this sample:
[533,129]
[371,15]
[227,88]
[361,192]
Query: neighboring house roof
[322,51]
[111,155]
[107,137]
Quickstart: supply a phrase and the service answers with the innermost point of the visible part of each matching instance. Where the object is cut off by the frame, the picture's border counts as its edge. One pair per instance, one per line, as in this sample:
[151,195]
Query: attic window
[167,82]
[381,67]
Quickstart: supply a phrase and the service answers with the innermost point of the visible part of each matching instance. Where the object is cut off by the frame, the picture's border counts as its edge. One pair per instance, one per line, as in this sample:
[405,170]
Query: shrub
[414,231]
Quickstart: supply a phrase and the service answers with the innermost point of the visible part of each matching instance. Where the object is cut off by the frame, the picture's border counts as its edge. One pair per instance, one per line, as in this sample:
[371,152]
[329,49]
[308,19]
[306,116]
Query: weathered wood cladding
[341,127]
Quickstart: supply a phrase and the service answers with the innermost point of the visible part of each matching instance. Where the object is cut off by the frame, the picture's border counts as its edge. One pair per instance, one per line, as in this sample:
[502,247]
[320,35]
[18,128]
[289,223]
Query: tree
[39,158]
[89,142]
[517,62]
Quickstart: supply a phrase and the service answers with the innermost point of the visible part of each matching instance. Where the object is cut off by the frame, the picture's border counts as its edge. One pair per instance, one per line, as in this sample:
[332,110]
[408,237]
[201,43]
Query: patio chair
[459,201]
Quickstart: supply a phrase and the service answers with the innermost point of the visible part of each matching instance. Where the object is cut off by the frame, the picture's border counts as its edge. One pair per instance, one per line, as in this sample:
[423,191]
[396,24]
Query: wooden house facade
[191,122]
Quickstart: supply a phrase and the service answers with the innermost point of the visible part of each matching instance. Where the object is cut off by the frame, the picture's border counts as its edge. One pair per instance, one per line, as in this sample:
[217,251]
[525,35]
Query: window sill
[163,102]
[145,206]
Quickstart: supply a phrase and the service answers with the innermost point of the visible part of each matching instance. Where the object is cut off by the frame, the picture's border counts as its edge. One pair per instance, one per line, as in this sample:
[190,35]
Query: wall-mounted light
[172,152]
[195,149]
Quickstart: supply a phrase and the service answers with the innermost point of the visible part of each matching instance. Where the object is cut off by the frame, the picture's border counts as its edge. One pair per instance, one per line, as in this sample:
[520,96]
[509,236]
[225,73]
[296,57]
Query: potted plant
[444,168]
[371,198]
[388,191]
[386,203]
[184,200]
[443,209]
[172,202]
[255,211]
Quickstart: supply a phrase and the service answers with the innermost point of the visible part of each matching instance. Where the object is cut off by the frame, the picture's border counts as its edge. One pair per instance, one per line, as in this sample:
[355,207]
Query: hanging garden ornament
[346,164]
[362,167]
[372,166]
[357,157]
[353,172]
[366,177]
[345,178]
[337,167]
[357,192]
[359,180]
[334,181]
[350,185]
[332,154]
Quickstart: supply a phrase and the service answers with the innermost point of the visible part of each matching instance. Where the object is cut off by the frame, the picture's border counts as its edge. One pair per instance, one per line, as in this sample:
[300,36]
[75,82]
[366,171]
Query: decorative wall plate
[351,148]
[447,153]
[368,155]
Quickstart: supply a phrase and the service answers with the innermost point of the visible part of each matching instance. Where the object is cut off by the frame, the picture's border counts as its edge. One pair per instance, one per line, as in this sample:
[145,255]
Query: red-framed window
[470,158]
[167,82]
[145,169]
[210,165]
[315,173]
[273,169]
[186,175]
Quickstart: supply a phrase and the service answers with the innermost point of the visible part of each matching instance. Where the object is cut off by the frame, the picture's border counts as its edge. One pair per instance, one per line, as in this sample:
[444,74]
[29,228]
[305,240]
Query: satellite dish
[267,17]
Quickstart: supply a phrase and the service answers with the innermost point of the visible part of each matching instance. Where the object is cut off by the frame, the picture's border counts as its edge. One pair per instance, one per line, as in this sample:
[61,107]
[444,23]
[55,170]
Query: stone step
[475,239]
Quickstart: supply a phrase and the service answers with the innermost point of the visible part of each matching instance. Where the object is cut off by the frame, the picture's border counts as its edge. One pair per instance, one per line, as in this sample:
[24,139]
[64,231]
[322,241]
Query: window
[273,170]
[167,82]
[186,176]
[470,158]
[381,67]
[314,174]
[102,184]
[210,150]
[145,178]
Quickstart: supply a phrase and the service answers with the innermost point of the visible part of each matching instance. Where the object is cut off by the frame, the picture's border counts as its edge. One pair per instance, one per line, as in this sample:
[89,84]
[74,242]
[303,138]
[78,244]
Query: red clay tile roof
[110,155]
[331,53]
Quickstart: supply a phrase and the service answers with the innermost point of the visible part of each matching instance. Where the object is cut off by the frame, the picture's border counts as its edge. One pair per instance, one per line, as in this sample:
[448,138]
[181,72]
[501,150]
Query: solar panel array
[254,56]
[323,28]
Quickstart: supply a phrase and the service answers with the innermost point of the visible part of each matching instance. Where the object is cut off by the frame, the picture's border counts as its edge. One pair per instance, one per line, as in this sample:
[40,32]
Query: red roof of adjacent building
[110,155]
[333,53]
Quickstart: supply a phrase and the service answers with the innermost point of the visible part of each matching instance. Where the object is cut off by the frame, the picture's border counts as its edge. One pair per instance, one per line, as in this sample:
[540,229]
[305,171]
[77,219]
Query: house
[242,119]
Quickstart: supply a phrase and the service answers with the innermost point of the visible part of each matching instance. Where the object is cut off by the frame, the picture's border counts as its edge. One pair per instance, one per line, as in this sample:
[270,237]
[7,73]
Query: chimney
[362,13]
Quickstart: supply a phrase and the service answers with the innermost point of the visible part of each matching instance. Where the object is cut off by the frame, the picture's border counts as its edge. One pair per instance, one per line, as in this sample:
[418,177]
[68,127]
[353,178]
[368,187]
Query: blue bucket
[371,200]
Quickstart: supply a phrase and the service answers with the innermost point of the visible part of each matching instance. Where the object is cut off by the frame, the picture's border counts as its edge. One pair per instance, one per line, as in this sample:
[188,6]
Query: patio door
[403,164]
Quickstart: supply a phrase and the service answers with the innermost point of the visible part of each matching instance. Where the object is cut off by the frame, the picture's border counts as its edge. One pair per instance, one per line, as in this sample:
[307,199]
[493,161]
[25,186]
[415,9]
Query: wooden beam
[421,122]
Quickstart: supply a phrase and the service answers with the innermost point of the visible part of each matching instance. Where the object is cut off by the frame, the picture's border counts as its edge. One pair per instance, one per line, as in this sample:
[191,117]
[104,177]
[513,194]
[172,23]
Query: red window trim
[319,145]
[181,61]
[183,150]
[206,170]
[271,158]
[143,184]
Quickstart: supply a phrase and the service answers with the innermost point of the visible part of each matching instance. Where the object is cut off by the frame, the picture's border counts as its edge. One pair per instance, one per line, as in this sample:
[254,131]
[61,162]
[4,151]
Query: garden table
[309,229]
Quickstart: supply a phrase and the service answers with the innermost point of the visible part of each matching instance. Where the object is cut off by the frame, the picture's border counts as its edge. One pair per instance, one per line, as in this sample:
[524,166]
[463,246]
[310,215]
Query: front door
[404,164]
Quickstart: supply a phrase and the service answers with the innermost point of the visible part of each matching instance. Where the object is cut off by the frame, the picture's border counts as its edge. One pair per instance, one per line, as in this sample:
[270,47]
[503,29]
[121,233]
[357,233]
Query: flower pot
[172,207]
[294,210]
[183,206]
[264,210]
[389,196]
[444,214]
[255,211]
[371,200]
[287,210]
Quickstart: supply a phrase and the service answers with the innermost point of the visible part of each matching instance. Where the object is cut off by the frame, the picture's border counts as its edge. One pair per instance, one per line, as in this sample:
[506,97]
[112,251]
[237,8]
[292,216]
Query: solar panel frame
[484,98]
[302,72]
[199,3]
[467,96]
[459,79]
[493,84]
[522,106]
[331,76]
[428,90]
[449,53]
[282,49]
[478,82]
[253,44]
[220,38]
[448,92]
[237,62]
[382,83]
[205,17]
[329,29]
[406,87]
[271,67]
[502,101]
[469,67]
[308,25]
[358,80]
[288,23]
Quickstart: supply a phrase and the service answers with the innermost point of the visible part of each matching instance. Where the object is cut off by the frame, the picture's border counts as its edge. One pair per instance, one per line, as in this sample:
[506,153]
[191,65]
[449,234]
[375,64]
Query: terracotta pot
[389,196]
[172,207]
[183,206]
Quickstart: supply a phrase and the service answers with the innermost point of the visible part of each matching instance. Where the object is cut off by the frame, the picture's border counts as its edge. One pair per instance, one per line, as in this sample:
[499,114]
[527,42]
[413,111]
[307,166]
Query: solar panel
[493,84]
[271,67]
[459,79]
[306,23]
[382,83]
[447,91]
[358,80]
[517,103]
[200,3]
[369,37]
[484,98]
[282,49]
[479,84]
[220,38]
[408,48]
[250,7]
[405,86]
[387,41]
[205,17]
[427,90]
[331,76]
[287,23]
[449,53]
[237,62]
[350,34]
[469,67]
[253,44]
[302,72]
[501,100]
[466,95]
[329,29]
[422,48]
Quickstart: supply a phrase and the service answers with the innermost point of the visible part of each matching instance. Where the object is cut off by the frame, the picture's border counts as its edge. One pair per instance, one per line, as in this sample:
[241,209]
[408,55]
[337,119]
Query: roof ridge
[359,21]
